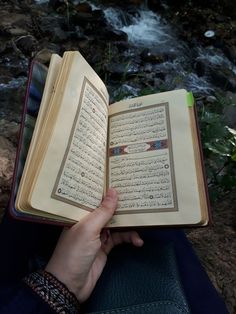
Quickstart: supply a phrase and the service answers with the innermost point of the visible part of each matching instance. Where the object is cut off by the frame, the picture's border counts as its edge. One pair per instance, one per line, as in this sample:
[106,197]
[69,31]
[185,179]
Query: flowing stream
[147,29]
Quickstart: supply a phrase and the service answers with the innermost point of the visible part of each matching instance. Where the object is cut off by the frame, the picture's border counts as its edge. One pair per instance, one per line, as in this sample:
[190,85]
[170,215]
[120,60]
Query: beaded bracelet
[53,292]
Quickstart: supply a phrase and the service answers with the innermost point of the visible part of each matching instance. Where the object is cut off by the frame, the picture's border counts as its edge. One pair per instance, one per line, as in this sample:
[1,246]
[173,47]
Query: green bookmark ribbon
[190,99]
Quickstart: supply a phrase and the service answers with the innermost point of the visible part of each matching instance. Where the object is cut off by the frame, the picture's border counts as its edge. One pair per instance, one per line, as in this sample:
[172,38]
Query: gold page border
[144,211]
[54,195]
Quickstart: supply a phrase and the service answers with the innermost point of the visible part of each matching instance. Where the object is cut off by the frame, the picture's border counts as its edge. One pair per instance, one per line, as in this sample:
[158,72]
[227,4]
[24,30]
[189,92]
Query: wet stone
[148,56]
[27,44]
[230,115]
[118,70]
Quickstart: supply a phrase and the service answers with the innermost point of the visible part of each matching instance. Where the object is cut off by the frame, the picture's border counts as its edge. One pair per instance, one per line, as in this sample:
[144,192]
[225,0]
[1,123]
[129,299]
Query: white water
[216,57]
[148,30]
[145,29]
[41,1]
[13,84]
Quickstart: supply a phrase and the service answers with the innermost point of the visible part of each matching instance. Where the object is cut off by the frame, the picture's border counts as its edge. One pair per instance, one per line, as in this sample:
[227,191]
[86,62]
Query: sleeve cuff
[53,292]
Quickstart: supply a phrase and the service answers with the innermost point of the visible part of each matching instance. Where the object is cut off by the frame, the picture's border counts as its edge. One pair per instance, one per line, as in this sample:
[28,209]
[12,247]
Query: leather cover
[139,280]
[34,92]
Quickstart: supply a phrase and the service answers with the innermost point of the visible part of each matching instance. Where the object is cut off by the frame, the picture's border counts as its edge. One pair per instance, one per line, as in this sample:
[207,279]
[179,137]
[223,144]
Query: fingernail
[139,242]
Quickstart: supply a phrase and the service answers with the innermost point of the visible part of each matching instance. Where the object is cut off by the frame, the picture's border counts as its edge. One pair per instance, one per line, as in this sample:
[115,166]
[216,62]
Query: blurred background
[137,48]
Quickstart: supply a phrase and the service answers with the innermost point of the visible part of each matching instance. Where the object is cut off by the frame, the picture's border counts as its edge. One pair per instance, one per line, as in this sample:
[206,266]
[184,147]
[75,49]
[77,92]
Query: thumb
[101,215]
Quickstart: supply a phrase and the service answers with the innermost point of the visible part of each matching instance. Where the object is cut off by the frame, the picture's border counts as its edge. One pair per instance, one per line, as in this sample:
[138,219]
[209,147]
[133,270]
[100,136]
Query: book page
[151,161]
[141,160]
[80,180]
[71,178]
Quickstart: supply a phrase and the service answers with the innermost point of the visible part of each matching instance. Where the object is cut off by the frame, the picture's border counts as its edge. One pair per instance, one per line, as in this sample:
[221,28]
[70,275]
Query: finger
[101,215]
[105,235]
[117,238]
[127,237]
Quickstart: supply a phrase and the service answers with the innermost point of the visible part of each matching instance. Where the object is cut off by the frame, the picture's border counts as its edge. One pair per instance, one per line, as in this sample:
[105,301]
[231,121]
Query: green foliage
[101,66]
[147,91]
[219,148]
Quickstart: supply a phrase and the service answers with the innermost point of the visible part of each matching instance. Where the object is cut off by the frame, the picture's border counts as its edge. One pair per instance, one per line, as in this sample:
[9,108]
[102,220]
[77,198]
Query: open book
[146,147]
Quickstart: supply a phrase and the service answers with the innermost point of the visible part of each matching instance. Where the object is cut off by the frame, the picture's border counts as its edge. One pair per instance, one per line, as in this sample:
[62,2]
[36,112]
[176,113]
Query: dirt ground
[216,248]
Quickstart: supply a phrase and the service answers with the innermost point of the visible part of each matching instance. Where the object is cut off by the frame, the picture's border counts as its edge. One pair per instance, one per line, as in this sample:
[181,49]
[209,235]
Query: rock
[221,18]
[44,55]
[114,35]
[17,31]
[219,75]
[231,97]
[230,115]
[136,2]
[125,91]
[9,130]
[8,138]
[15,24]
[231,84]
[53,26]
[124,3]
[150,78]
[78,34]
[229,8]
[3,47]
[59,35]
[158,83]
[83,18]
[125,48]
[161,74]
[211,99]
[222,77]
[7,159]
[83,7]
[230,52]
[122,70]
[200,67]
[12,98]
[92,22]
[154,5]
[56,4]
[148,56]
[27,44]
[147,67]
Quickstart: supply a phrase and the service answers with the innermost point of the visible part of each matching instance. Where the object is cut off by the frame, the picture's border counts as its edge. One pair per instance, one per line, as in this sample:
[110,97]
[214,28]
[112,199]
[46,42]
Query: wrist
[52,291]
[65,278]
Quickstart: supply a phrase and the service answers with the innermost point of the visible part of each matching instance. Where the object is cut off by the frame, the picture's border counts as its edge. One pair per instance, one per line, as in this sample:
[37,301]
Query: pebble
[209,34]
[211,99]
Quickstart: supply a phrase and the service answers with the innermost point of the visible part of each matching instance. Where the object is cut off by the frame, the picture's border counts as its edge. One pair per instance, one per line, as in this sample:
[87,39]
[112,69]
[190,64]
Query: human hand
[81,252]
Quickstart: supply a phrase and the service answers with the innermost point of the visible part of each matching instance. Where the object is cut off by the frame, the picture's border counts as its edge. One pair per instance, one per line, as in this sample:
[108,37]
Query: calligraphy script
[81,178]
[138,126]
[143,179]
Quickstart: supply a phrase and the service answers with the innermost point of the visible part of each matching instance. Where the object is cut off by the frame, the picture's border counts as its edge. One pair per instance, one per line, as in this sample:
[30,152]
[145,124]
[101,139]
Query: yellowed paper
[140,160]
[184,194]
[51,173]
[80,180]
